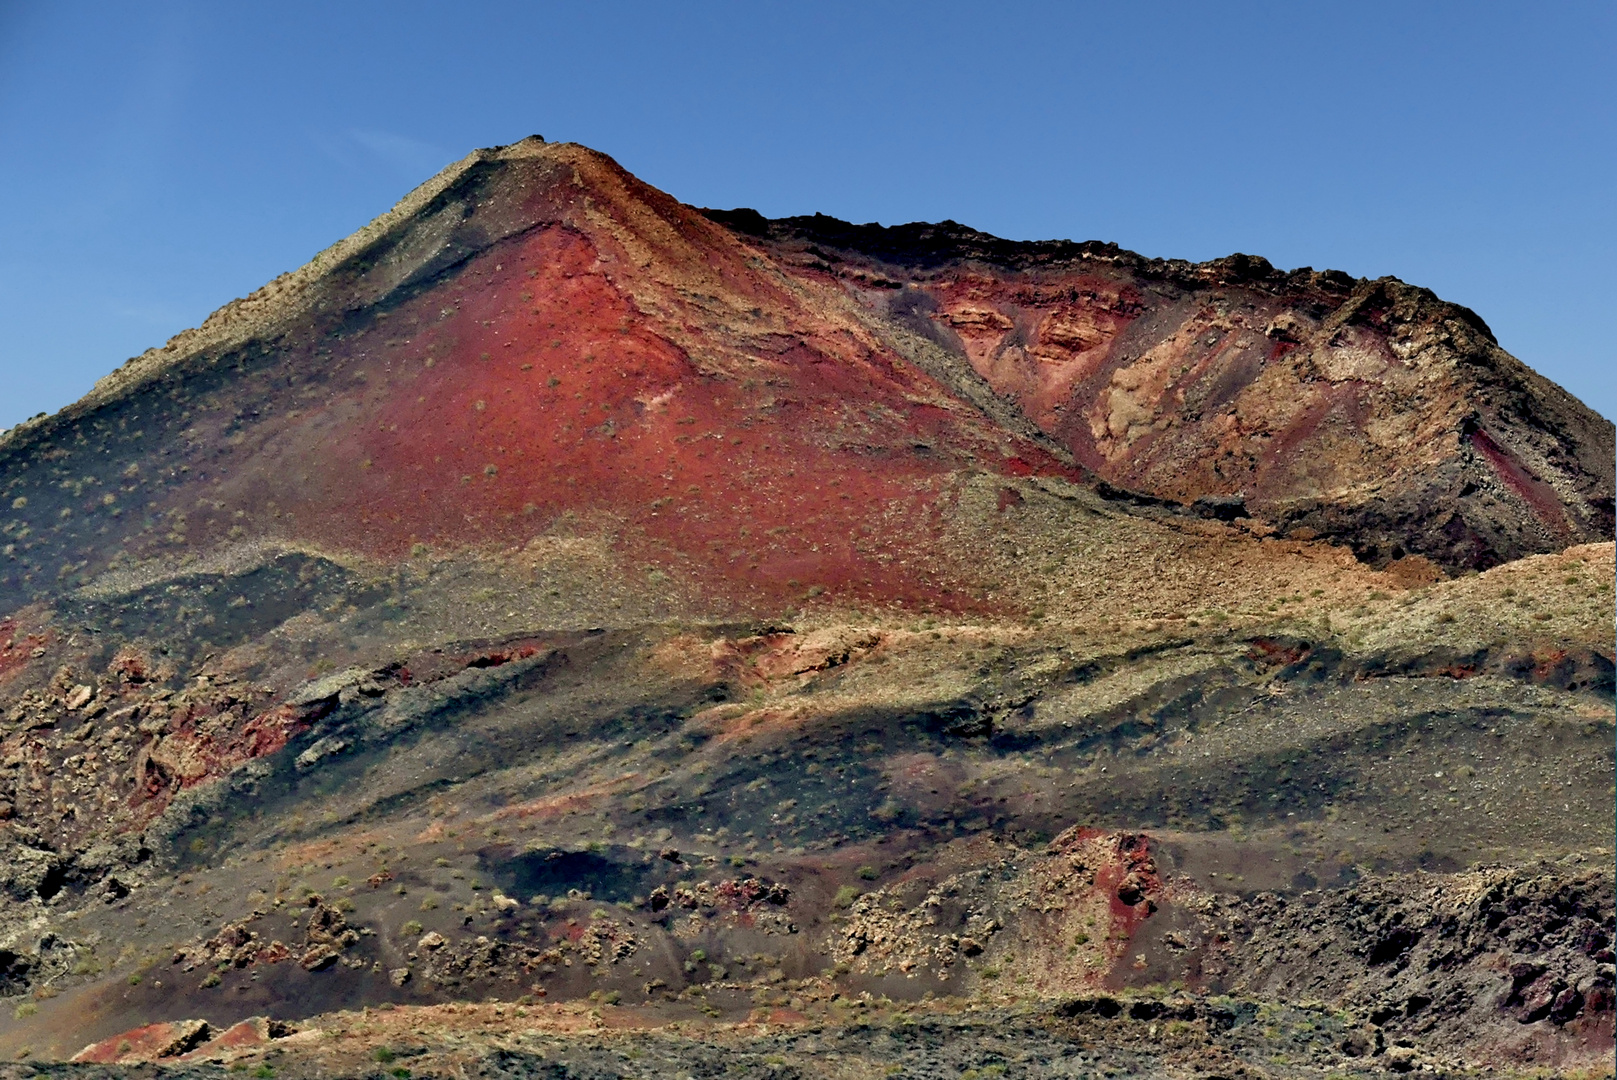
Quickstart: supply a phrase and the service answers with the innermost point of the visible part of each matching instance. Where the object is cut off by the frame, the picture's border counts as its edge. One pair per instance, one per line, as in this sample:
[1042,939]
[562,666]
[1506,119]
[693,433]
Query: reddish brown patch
[17,646]
[738,659]
[270,731]
[1280,348]
[748,891]
[1596,1029]
[1126,878]
[130,665]
[148,1043]
[273,953]
[499,657]
[786,1016]
[1539,496]
[1130,883]
[211,755]
[242,1035]
[1272,653]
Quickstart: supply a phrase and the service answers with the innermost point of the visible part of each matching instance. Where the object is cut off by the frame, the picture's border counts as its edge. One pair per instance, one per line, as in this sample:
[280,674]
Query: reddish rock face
[148,1043]
[1369,412]
[183,1040]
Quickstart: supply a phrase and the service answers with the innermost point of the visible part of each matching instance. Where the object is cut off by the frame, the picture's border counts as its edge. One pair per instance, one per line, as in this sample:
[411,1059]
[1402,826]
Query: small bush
[845,897]
[868,873]
[411,928]
[382,1055]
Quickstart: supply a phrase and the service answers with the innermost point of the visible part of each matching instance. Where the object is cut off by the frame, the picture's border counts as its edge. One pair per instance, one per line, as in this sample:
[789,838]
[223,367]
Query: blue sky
[159,159]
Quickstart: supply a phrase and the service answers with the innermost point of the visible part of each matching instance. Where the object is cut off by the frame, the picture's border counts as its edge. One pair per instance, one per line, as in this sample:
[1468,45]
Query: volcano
[654,634]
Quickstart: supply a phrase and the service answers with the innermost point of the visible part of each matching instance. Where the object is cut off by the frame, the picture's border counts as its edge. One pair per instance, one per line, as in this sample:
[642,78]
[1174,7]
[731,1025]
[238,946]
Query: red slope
[629,363]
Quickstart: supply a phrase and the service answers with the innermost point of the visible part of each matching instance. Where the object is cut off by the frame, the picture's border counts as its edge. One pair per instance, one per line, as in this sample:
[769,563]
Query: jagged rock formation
[559,595]
[1364,411]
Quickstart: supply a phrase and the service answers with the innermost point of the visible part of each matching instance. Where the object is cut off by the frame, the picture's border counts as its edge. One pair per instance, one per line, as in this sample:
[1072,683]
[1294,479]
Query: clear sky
[158,159]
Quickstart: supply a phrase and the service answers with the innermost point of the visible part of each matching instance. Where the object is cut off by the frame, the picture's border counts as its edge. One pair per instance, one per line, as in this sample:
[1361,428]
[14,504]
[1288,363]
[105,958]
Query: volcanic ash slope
[560,628]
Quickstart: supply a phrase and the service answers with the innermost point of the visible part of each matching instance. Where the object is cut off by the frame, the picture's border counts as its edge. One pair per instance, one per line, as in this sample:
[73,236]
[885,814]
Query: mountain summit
[564,599]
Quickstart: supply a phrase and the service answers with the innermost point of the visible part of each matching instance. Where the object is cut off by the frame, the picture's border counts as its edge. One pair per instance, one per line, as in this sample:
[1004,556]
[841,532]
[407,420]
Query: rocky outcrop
[1480,956]
[185,1041]
[1368,412]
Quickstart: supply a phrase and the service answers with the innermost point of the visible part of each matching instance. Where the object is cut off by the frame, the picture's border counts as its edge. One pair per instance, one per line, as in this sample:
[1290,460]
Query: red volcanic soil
[17,646]
[532,390]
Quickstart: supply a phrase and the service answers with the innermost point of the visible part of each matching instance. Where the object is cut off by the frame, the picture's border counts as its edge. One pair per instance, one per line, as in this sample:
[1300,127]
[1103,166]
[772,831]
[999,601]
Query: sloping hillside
[705,641]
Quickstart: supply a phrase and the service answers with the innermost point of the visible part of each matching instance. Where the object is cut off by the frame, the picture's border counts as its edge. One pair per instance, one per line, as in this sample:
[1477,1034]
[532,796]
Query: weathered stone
[318,957]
